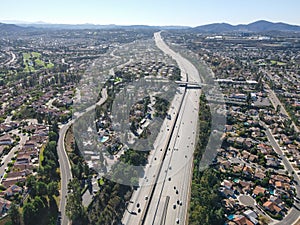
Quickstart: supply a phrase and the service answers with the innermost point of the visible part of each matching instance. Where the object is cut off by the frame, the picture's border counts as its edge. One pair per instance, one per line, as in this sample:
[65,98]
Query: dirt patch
[69,140]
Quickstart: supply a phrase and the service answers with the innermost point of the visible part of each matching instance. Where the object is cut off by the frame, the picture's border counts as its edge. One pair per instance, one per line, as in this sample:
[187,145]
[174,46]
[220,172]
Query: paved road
[13,58]
[64,164]
[247,200]
[155,157]
[65,171]
[177,138]
[275,102]
[180,155]
[7,158]
[294,213]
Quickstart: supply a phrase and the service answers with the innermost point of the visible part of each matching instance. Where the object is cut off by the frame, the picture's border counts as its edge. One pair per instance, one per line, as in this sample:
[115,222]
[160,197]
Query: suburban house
[4,206]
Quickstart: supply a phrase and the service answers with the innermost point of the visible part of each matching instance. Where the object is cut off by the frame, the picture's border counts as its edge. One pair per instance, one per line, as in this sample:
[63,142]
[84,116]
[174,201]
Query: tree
[41,188]
[74,208]
[249,100]
[53,136]
[38,204]
[55,127]
[263,220]
[278,107]
[52,188]
[14,214]
[31,184]
[265,182]
[29,214]
[39,118]
[51,146]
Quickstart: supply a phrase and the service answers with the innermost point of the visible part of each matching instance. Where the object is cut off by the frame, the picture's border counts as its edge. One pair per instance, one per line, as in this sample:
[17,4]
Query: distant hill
[10,27]
[258,26]
[95,26]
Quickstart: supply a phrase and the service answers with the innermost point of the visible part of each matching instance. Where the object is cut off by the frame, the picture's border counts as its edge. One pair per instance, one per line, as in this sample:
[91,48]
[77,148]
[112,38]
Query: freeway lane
[138,199]
[181,148]
[172,169]
[177,167]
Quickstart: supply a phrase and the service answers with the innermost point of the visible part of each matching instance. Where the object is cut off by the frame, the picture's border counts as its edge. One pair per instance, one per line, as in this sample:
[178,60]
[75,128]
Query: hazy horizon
[154,13]
[18,22]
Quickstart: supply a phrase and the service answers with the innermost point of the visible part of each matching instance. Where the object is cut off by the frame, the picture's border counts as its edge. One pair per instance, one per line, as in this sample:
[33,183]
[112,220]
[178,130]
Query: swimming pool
[230,217]
[236,180]
[104,139]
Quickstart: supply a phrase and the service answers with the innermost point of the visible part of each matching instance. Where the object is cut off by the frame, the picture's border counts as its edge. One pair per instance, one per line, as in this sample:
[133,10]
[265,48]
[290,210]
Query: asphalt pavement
[64,163]
[7,158]
[166,201]
[294,213]
[65,171]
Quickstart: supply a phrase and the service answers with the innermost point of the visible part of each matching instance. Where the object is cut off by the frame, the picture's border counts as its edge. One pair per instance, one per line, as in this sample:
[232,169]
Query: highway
[163,195]
[64,163]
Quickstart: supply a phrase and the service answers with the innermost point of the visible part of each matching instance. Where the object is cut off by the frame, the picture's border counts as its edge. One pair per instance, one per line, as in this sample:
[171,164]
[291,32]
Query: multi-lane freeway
[162,197]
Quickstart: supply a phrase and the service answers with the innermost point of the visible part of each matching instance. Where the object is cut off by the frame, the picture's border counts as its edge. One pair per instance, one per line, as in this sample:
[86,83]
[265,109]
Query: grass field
[32,61]
[273,62]
[41,156]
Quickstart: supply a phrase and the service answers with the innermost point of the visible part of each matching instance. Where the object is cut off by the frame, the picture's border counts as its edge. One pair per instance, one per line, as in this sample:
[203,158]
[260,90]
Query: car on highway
[177,220]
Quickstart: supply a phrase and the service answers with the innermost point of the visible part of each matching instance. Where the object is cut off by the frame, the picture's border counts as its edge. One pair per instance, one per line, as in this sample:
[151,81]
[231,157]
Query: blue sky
[150,12]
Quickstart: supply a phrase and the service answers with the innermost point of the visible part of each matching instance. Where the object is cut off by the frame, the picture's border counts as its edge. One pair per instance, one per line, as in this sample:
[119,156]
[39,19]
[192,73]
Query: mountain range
[258,26]
[11,28]
[86,26]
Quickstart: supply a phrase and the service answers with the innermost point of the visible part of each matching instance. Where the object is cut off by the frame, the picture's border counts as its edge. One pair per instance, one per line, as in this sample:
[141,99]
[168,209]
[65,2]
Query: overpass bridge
[189,84]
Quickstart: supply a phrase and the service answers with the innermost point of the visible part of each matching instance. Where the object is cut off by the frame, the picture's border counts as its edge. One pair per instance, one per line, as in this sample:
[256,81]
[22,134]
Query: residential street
[293,214]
